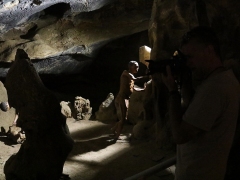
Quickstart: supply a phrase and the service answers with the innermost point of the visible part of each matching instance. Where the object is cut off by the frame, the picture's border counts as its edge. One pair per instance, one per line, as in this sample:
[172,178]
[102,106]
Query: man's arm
[136,79]
[182,131]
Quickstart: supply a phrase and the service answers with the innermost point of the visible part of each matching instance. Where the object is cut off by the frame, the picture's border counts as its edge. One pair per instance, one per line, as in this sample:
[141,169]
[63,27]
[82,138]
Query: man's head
[201,48]
[4,106]
[133,67]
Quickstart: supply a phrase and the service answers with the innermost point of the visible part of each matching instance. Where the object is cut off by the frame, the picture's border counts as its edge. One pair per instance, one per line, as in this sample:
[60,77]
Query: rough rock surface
[16,134]
[135,109]
[82,108]
[3,93]
[14,13]
[107,111]
[48,143]
[66,109]
[171,19]
[66,33]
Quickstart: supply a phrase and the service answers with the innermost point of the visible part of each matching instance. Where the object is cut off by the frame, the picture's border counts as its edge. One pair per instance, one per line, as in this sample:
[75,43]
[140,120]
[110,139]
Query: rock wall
[107,111]
[64,36]
[135,109]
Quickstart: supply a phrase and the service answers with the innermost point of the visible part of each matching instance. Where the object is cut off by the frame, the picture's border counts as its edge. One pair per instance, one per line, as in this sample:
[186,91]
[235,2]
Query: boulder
[16,134]
[66,109]
[107,111]
[47,145]
[135,109]
[82,108]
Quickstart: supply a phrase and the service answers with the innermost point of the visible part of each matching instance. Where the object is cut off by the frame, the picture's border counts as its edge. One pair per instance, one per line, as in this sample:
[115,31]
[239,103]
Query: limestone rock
[3,93]
[107,111]
[16,134]
[66,109]
[47,145]
[50,29]
[82,108]
[19,12]
[148,102]
[135,109]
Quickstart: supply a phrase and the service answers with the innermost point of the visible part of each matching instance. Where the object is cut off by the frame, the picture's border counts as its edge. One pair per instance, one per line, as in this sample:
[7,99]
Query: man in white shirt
[204,133]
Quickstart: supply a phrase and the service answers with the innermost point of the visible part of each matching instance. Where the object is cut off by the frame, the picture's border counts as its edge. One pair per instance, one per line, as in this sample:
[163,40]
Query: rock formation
[145,127]
[82,108]
[107,111]
[48,143]
[135,109]
[66,109]
[63,36]
[16,134]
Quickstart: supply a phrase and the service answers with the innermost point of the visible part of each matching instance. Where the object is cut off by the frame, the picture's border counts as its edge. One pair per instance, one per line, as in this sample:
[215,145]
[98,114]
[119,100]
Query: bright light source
[144,54]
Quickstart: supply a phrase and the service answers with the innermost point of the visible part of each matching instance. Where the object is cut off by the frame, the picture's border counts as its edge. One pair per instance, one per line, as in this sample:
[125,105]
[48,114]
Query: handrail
[159,167]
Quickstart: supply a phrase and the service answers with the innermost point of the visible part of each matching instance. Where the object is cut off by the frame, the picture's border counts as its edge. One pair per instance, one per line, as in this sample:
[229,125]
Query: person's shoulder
[224,82]
[128,74]
[227,77]
[231,80]
[125,72]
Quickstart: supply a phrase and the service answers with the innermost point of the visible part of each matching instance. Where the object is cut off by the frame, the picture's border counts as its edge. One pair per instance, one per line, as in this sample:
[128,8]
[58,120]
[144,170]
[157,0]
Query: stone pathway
[96,156]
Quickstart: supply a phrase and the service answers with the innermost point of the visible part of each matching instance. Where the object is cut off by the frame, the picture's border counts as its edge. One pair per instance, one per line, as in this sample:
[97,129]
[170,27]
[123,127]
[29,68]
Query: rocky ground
[96,156]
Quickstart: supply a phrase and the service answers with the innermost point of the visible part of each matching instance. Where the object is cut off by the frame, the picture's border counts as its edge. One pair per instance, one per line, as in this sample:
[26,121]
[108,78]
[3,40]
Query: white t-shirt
[214,109]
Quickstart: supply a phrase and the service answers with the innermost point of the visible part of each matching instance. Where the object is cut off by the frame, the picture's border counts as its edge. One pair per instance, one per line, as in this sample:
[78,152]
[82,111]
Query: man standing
[204,133]
[127,80]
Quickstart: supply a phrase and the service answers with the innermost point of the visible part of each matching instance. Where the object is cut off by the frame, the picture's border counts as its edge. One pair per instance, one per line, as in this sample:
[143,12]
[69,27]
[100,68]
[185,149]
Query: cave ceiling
[63,36]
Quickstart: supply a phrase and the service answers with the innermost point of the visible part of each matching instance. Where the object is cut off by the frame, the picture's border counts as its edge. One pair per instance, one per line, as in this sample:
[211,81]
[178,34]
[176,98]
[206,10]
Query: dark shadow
[57,10]
[37,2]
[7,141]
[30,34]
[5,64]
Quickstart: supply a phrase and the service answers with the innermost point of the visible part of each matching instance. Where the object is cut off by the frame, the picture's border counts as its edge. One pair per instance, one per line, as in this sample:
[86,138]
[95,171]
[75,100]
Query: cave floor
[96,156]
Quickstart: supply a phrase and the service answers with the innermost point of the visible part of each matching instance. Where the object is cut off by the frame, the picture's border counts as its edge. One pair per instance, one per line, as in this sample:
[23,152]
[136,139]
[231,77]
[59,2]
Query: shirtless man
[127,80]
